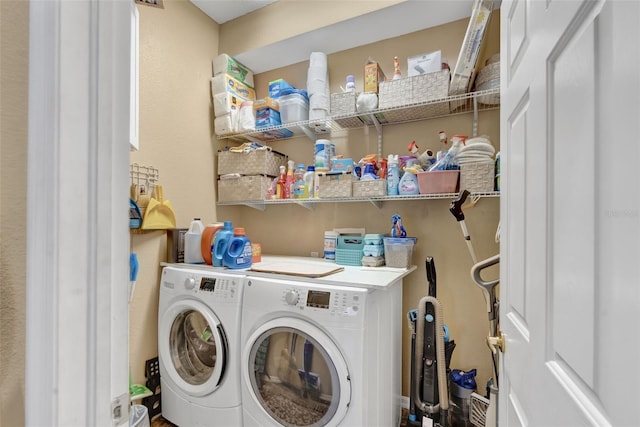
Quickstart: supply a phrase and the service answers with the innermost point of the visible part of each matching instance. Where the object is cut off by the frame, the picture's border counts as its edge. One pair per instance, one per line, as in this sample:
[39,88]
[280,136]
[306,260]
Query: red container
[438,182]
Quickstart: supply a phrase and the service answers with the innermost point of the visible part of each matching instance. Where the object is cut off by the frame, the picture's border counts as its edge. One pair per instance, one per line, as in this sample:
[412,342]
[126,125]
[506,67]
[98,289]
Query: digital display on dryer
[318,299]
[208,284]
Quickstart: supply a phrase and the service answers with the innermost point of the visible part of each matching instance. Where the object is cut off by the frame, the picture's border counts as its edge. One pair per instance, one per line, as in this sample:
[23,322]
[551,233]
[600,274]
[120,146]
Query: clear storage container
[293,108]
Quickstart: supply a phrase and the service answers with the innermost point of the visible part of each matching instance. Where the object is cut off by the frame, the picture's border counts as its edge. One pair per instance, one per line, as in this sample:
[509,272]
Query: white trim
[77,235]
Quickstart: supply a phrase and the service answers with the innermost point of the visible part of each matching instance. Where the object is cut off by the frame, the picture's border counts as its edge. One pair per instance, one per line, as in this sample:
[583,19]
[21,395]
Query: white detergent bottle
[192,243]
[408,184]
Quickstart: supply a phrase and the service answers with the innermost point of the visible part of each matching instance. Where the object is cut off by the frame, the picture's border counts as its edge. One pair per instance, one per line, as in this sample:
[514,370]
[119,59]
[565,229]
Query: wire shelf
[452,105]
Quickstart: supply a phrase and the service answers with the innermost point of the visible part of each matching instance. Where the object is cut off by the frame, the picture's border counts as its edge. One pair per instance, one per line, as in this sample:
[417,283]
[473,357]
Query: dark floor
[161,422]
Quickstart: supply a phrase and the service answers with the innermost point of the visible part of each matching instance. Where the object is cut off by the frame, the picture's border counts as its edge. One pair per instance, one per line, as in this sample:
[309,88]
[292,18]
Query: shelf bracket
[258,206]
[307,205]
[376,203]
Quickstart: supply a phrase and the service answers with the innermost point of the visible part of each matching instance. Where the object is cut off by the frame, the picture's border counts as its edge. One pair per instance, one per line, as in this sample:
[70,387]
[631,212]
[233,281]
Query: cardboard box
[267,112]
[373,75]
[424,63]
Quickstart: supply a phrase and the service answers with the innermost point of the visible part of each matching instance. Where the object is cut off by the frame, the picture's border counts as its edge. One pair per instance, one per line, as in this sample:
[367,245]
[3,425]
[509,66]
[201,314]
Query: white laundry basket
[139,416]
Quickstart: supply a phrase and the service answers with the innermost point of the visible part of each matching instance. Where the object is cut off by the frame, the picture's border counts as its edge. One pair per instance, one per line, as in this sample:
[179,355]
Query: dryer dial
[189,283]
[292,297]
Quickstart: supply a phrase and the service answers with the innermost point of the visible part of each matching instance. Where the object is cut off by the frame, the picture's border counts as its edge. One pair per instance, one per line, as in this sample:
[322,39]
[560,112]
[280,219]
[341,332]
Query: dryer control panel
[211,287]
[335,302]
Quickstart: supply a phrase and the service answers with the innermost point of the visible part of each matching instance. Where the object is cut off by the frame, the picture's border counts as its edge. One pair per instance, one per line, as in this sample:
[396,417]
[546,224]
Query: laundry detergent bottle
[239,253]
[192,239]
[220,243]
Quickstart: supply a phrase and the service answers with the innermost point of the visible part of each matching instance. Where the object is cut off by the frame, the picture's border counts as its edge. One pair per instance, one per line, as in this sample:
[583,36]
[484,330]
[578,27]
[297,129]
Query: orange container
[438,182]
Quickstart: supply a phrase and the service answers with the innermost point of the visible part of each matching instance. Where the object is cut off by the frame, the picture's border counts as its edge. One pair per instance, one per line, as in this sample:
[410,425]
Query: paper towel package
[224,64]
[226,102]
[225,124]
[226,83]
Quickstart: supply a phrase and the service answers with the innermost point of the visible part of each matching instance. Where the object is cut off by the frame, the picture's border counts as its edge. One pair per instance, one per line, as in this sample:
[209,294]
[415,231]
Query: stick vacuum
[425,387]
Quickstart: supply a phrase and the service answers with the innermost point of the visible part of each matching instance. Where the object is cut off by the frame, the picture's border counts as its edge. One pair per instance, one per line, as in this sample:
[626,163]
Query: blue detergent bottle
[220,244]
[238,254]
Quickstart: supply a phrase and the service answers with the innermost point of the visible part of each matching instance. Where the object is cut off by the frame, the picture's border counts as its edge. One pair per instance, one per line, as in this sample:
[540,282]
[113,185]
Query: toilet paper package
[225,64]
[226,83]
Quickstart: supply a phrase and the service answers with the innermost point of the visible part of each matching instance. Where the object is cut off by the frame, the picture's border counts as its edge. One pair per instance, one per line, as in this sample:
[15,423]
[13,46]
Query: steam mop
[483,416]
[431,353]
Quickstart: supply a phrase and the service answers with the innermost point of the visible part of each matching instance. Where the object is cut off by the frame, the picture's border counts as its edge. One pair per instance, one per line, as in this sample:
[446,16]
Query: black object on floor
[152,372]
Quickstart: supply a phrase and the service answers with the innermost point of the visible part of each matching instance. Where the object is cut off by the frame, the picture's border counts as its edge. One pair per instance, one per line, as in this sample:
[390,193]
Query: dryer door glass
[194,352]
[293,377]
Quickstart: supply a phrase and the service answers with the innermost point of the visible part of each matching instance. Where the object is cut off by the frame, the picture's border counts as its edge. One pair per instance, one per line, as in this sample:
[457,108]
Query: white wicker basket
[477,177]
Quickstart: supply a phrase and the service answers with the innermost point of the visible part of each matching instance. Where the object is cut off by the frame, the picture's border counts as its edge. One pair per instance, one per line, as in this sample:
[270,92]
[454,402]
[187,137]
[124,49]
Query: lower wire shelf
[375,200]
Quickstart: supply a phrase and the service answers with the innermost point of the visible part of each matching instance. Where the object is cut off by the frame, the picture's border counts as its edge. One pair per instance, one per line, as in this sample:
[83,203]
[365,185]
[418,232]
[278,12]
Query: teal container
[238,254]
[220,244]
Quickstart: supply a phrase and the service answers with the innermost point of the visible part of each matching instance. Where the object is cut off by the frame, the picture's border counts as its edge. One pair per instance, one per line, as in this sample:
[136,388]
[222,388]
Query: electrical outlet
[120,410]
[314,254]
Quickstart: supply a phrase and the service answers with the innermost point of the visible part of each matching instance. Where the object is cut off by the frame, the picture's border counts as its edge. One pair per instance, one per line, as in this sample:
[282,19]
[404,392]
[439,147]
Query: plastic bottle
[239,253]
[330,243]
[220,243]
[288,183]
[192,242]
[351,84]
[282,179]
[393,175]
[298,183]
[408,184]
[309,184]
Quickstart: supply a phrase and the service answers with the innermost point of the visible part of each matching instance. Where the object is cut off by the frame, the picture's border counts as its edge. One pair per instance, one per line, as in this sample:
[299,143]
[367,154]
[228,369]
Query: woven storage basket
[256,162]
[415,89]
[251,187]
[477,177]
[334,185]
[343,103]
[377,187]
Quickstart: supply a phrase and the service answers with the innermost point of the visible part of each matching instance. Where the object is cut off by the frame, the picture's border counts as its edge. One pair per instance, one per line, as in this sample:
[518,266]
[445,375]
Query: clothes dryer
[198,346]
[316,354]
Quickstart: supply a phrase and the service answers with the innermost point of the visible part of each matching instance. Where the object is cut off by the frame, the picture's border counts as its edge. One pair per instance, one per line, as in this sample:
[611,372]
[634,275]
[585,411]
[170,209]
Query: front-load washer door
[296,374]
[192,346]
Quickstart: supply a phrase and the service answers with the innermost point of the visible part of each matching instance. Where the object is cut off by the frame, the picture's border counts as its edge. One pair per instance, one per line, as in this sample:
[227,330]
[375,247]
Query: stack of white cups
[318,90]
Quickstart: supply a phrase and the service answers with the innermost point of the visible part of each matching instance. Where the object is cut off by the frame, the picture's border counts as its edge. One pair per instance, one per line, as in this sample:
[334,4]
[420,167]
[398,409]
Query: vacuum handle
[477,268]
[456,206]
[431,275]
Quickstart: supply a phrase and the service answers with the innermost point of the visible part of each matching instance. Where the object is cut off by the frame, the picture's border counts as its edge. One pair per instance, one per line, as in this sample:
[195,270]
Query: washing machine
[318,354]
[199,346]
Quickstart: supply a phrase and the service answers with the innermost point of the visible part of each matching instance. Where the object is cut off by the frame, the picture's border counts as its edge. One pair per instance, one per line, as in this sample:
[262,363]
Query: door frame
[76,355]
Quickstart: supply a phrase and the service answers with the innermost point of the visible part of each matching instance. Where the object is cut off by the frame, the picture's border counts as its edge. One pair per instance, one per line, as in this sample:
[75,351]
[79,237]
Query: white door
[570,119]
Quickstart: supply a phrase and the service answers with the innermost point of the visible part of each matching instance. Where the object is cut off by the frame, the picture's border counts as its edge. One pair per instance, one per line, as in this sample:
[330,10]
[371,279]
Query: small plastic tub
[293,108]
[398,251]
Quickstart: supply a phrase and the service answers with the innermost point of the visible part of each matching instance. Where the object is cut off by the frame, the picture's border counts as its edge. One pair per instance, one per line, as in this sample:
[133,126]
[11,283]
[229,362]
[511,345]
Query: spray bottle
[281,183]
[288,183]
[393,175]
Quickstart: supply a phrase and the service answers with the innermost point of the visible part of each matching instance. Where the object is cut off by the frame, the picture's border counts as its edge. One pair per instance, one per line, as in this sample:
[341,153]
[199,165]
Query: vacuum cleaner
[431,351]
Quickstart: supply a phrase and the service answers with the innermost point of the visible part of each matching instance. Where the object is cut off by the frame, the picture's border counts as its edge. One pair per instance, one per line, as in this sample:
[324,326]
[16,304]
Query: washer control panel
[190,282]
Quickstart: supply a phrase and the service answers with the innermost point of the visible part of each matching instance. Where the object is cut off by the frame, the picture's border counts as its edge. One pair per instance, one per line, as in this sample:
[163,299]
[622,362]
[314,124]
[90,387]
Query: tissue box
[373,75]
[267,112]
[226,83]
[277,86]
[225,64]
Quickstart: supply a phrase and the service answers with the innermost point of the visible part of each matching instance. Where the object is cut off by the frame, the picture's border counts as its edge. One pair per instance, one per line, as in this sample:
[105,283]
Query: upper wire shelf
[447,106]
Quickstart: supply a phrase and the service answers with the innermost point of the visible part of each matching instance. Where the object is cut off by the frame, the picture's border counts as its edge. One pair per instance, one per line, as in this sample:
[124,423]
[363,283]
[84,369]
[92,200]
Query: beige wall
[293,230]
[14,72]
[176,135]
[177,45]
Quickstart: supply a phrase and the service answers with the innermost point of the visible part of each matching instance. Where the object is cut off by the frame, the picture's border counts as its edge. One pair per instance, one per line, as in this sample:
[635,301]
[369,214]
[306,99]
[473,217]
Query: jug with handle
[239,253]
[220,243]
